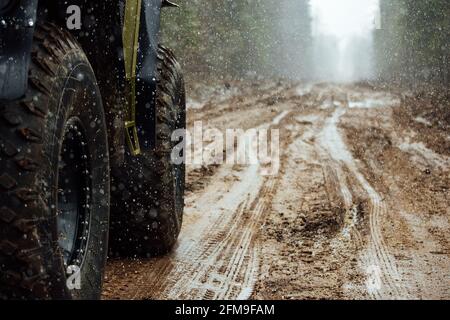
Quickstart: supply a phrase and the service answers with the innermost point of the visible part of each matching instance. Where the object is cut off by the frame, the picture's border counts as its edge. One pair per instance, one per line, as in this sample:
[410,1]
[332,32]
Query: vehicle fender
[17,22]
[146,72]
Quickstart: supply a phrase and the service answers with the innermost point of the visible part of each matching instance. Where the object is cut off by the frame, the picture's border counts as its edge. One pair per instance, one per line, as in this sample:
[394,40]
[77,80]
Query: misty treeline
[240,38]
[413,45]
[267,38]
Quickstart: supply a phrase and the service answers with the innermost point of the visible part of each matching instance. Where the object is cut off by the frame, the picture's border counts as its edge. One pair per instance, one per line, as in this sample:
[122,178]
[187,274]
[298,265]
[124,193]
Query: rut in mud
[358,209]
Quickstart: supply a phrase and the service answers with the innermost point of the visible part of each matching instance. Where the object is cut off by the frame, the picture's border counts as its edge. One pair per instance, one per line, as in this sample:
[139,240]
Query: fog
[392,41]
[343,39]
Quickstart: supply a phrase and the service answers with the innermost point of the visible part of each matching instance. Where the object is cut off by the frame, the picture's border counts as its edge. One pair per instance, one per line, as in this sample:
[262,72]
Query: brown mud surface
[359,208]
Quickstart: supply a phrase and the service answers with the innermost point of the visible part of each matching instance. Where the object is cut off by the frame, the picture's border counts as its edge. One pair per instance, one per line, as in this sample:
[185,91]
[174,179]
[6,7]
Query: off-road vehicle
[86,119]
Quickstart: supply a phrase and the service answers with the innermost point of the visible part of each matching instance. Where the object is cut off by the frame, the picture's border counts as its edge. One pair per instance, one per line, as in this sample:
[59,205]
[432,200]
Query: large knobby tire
[148,191]
[54,177]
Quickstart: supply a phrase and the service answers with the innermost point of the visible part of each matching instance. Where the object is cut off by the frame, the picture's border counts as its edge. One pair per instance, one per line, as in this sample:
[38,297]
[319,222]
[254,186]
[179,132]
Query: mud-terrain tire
[54,177]
[148,191]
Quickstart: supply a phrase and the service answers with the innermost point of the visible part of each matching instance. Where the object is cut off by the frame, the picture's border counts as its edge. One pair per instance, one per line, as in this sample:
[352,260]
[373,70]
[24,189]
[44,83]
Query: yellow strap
[130,38]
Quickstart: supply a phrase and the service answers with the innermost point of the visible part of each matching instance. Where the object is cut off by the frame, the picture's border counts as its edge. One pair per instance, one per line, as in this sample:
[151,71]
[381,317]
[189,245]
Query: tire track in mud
[217,256]
[384,280]
[223,278]
[334,175]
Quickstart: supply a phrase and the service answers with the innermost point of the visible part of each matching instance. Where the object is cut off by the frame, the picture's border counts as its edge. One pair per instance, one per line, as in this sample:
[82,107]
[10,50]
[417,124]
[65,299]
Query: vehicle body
[103,24]
[112,83]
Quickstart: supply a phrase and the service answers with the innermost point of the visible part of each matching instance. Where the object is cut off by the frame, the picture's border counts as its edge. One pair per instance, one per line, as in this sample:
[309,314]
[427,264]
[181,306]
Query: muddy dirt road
[360,206]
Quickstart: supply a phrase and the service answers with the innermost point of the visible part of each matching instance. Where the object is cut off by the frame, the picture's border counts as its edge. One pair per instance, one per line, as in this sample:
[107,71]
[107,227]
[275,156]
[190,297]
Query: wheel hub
[74,195]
